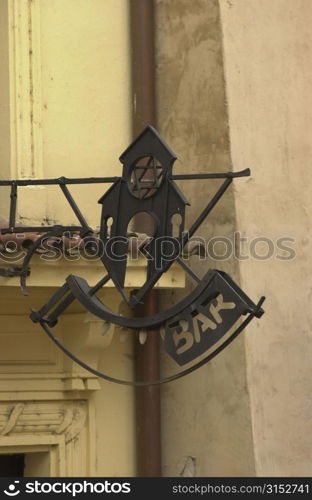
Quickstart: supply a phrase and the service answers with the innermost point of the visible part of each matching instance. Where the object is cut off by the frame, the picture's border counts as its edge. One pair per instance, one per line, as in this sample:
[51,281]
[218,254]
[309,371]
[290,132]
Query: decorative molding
[65,430]
[54,446]
[46,386]
[66,422]
[13,418]
[25,88]
[51,418]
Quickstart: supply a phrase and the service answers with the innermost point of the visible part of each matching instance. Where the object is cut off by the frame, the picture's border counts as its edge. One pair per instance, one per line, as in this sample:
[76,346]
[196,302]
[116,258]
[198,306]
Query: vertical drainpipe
[147,355]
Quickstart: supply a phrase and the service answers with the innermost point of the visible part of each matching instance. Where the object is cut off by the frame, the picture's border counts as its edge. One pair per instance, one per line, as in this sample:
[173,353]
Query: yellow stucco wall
[70,96]
[86,121]
[66,111]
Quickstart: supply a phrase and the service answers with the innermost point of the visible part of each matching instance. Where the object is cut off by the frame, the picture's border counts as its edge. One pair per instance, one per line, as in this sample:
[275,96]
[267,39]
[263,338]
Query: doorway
[25,464]
[12,465]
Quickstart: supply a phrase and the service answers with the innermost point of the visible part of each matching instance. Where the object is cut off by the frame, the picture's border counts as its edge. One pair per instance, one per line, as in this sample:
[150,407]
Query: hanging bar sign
[195,329]
[203,323]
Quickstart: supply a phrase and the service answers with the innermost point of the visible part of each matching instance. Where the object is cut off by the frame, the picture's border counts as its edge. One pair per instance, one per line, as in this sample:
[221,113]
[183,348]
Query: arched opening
[148,224]
[138,240]
[108,222]
[176,221]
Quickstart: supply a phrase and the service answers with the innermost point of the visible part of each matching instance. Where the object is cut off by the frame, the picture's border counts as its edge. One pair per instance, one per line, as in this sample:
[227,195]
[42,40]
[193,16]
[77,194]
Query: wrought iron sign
[198,327]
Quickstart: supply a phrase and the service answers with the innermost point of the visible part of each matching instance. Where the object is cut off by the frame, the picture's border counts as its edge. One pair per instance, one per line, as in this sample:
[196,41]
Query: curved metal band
[81,291]
[208,358]
[57,231]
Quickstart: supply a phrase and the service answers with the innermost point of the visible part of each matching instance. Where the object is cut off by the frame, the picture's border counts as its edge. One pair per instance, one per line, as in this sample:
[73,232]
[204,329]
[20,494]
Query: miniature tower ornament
[145,186]
[195,329]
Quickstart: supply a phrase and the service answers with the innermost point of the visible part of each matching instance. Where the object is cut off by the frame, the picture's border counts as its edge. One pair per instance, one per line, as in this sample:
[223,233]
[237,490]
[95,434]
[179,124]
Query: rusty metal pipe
[147,355]
[148,398]
[143,64]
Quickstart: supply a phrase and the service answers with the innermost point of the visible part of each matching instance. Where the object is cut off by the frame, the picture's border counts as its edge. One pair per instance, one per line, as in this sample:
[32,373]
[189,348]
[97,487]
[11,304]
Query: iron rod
[60,180]
[99,180]
[135,299]
[188,270]
[13,201]
[59,294]
[207,210]
[99,285]
[37,229]
[74,206]
[219,175]
[53,317]
[69,299]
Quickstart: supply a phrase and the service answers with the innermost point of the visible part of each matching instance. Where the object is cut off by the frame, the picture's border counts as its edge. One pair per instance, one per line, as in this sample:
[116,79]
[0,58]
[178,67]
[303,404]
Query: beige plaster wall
[268,52]
[206,425]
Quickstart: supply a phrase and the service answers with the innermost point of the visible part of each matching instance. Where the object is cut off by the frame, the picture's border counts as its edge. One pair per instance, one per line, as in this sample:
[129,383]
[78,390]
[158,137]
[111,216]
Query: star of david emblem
[146,177]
